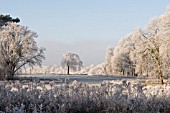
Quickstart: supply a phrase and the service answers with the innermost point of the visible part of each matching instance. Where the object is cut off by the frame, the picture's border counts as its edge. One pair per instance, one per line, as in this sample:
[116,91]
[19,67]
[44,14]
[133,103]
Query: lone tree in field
[18,48]
[71,61]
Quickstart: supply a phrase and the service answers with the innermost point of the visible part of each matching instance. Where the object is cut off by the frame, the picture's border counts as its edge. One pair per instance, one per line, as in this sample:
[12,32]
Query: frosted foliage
[157,40]
[52,69]
[72,60]
[96,70]
[168,9]
[122,62]
[108,60]
[108,97]
[18,48]
[145,52]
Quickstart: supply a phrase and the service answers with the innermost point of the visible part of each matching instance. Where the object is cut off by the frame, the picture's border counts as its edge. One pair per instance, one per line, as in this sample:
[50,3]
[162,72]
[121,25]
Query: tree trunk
[161,78]
[160,74]
[10,75]
[68,70]
[123,72]
[10,72]
[159,68]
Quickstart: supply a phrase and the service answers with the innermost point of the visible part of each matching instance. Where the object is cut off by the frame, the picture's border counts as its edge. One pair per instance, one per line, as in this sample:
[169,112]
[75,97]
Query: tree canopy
[4,19]
[145,51]
[18,48]
[71,61]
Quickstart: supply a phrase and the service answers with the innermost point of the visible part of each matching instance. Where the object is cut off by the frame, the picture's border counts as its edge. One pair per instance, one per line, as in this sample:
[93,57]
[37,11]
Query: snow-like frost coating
[35,97]
[72,60]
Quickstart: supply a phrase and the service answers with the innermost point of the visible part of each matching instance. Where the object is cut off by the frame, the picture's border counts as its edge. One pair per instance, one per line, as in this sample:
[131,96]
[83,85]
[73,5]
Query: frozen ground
[84,78]
[106,97]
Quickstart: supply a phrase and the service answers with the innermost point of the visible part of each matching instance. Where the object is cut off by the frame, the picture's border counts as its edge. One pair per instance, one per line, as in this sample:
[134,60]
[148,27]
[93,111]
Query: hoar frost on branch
[140,53]
[38,97]
[145,52]
[108,61]
[71,61]
[18,48]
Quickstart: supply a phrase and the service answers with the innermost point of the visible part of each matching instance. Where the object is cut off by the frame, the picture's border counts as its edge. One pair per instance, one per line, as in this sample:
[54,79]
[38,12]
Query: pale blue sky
[85,27]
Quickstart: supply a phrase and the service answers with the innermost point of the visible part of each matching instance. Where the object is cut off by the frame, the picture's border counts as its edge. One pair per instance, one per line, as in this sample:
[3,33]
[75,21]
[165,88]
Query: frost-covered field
[35,97]
[80,78]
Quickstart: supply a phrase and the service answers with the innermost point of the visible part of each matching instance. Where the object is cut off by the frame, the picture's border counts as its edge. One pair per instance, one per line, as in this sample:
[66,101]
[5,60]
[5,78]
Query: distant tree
[18,48]
[4,19]
[71,61]
[107,62]
[122,64]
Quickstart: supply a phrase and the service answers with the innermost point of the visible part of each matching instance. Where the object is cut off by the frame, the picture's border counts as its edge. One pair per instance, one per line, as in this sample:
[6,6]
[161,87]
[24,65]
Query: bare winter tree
[18,48]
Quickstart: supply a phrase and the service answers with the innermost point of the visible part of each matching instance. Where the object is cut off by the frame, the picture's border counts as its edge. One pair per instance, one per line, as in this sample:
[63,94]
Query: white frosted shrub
[39,97]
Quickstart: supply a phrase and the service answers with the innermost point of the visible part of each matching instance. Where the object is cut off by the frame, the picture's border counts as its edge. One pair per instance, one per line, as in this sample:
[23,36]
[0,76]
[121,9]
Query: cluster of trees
[70,64]
[143,52]
[17,47]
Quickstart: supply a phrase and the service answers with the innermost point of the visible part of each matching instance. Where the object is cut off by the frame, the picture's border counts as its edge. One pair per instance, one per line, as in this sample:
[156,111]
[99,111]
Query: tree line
[143,52]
